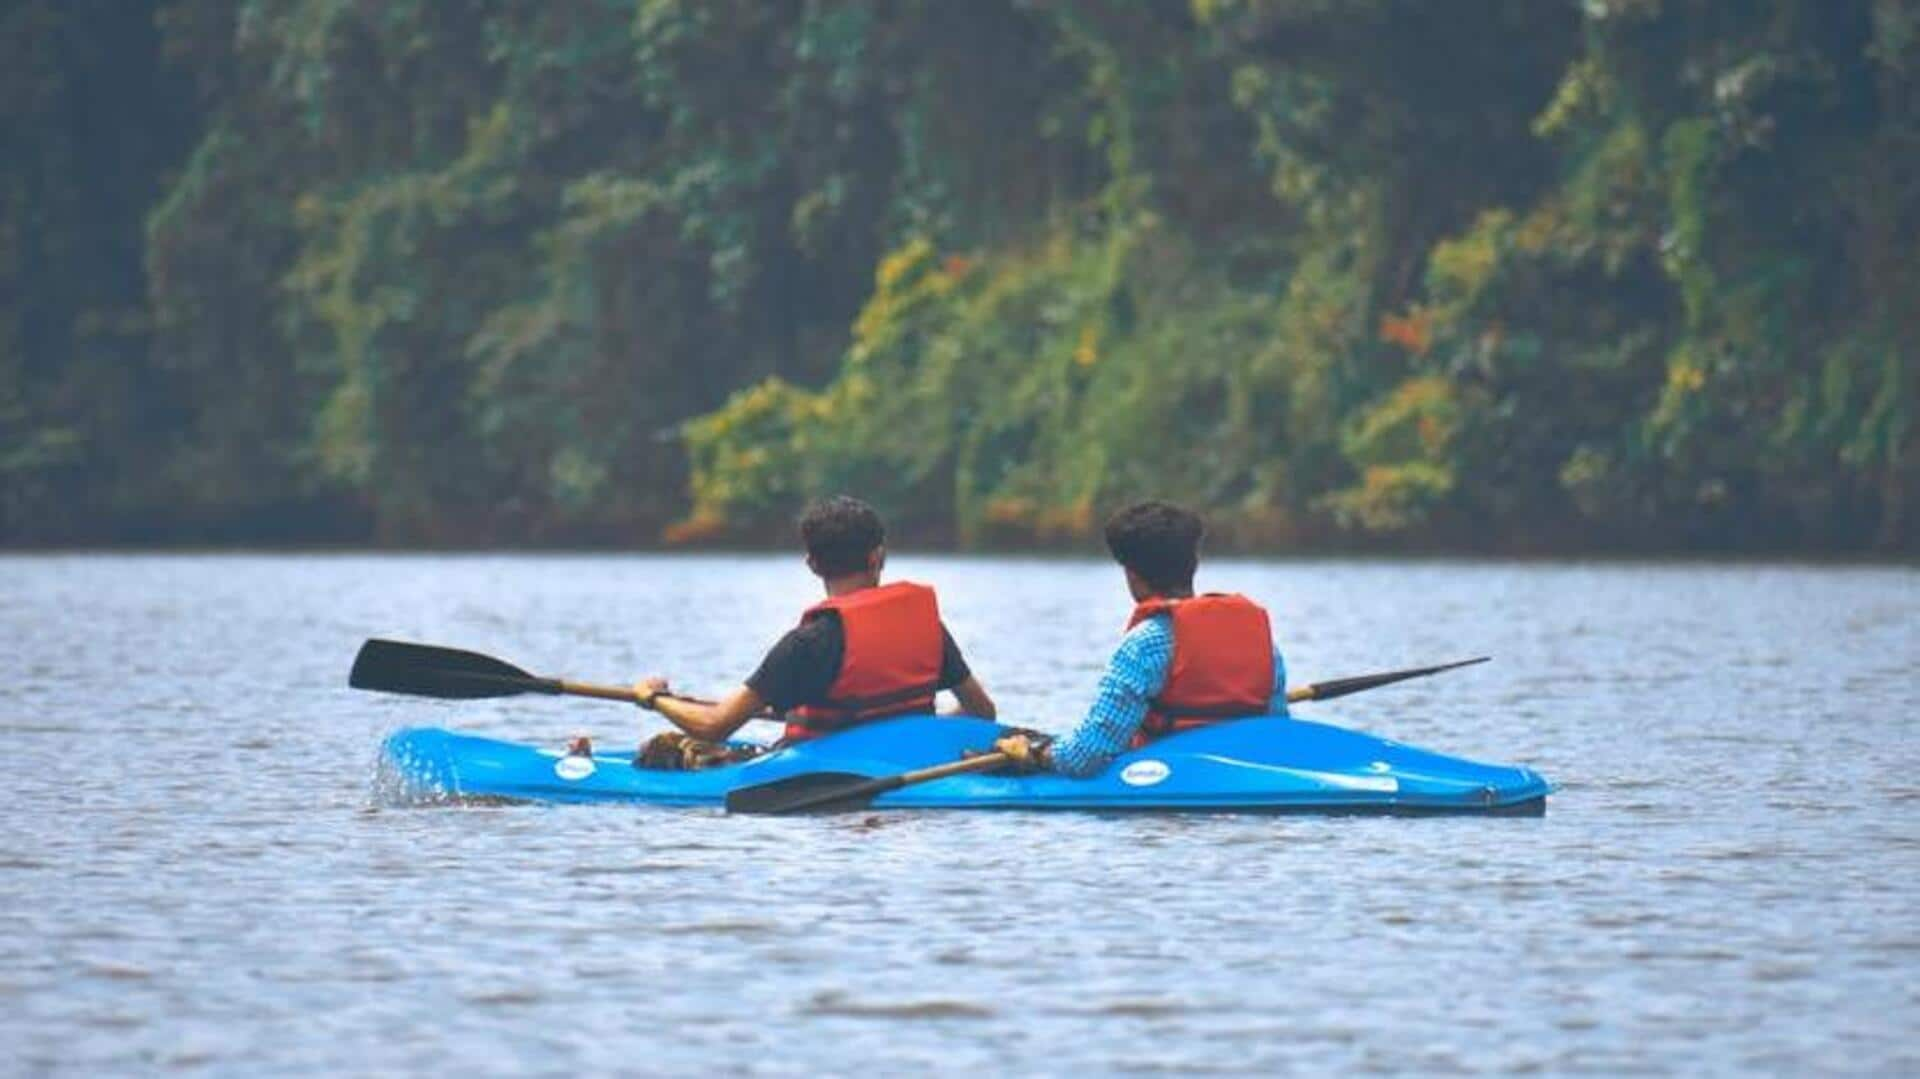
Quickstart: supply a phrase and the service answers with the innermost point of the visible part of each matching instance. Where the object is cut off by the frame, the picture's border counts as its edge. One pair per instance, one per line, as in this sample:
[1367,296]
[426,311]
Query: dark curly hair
[1159,541]
[840,532]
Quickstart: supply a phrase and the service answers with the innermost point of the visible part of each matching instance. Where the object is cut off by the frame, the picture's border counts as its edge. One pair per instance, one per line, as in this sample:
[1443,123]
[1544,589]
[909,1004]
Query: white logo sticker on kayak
[1144,773]
[573,767]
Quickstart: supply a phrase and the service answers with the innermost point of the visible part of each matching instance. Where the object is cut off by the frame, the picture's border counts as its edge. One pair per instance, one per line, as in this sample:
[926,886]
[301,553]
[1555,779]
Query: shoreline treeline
[1498,275]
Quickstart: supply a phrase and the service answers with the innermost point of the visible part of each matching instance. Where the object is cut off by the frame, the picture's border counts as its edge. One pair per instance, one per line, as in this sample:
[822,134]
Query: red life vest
[1222,663]
[890,664]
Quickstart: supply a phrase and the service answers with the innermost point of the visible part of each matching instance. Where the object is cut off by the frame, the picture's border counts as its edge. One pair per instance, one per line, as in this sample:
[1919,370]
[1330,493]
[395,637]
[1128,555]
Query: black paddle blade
[1340,687]
[809,792]
[425,670]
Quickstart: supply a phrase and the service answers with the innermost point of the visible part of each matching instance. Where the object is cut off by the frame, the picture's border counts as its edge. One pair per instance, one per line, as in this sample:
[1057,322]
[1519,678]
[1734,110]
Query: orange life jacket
[1222,663]
[890,664]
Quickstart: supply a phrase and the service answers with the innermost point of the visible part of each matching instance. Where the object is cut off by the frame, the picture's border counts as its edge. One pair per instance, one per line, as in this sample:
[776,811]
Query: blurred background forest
[1503,275]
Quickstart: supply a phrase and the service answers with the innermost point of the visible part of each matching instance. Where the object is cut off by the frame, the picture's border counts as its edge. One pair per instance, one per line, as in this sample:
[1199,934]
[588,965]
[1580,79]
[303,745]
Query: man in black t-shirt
[801,665]
[809,676]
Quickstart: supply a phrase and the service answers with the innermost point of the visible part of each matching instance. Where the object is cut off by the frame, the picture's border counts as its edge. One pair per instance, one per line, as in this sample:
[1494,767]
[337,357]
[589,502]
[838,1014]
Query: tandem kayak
[1253,765]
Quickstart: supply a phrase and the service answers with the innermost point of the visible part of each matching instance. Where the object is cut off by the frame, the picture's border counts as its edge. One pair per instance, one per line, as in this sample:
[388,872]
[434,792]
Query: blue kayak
[1253,765]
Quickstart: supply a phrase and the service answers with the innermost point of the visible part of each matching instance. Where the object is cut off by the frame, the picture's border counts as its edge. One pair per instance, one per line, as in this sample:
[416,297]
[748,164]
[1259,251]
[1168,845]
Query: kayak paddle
[450,674]
[1340,687]
[821,791]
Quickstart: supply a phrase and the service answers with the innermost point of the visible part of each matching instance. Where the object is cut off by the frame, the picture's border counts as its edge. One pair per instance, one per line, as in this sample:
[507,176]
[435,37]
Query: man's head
[1159,545]
[843,536]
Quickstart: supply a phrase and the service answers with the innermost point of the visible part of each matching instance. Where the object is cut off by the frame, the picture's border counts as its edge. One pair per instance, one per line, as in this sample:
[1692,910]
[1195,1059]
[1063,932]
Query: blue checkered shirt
[1134,677]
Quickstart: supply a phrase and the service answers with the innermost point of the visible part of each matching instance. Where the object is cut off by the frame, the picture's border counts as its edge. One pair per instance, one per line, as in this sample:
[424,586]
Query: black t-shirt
[801,666]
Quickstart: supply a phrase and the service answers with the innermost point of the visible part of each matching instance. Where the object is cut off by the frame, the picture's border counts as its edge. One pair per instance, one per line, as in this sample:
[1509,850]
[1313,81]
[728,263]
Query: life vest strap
[855,705]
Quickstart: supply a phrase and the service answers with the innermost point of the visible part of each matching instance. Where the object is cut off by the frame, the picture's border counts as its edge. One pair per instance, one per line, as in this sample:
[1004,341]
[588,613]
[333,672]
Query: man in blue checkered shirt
[1158,545]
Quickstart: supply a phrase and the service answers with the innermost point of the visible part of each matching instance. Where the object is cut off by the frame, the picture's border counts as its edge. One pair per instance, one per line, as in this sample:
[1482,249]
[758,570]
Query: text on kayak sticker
[1144,773]
[571,767]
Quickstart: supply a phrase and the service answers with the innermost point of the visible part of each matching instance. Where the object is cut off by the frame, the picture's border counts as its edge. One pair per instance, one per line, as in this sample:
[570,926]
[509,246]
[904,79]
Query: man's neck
[852,582]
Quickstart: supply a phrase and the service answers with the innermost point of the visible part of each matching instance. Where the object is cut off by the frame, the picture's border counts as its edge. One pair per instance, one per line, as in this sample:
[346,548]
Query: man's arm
[708,722]
[973,699]
[1135,675]
[1278,706]
[955,676]
[797,668]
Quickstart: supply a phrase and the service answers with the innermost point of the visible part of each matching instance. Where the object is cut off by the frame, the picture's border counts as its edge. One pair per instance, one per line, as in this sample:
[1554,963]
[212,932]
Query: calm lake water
[195,872]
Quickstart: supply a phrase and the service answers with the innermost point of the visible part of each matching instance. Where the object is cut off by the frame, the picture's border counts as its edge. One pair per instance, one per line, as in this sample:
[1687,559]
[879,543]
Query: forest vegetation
[1492,275]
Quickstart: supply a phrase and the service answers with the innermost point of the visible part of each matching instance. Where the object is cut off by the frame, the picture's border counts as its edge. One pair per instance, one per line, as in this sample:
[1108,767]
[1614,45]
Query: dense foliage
[1492,274]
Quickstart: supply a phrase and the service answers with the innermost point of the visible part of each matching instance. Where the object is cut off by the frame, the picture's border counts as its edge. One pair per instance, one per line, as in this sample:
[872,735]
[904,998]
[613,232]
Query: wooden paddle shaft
[1340,687]
[616,693]
[627,695]
[982,763]
[605,693]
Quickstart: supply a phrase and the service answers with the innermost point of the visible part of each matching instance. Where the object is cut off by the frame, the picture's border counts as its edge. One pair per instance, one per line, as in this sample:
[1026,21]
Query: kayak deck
[1251,765]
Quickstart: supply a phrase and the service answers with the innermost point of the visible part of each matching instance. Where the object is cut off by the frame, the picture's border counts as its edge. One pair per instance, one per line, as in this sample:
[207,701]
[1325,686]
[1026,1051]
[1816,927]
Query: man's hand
[648,688]
[1029,751]
[705,720]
